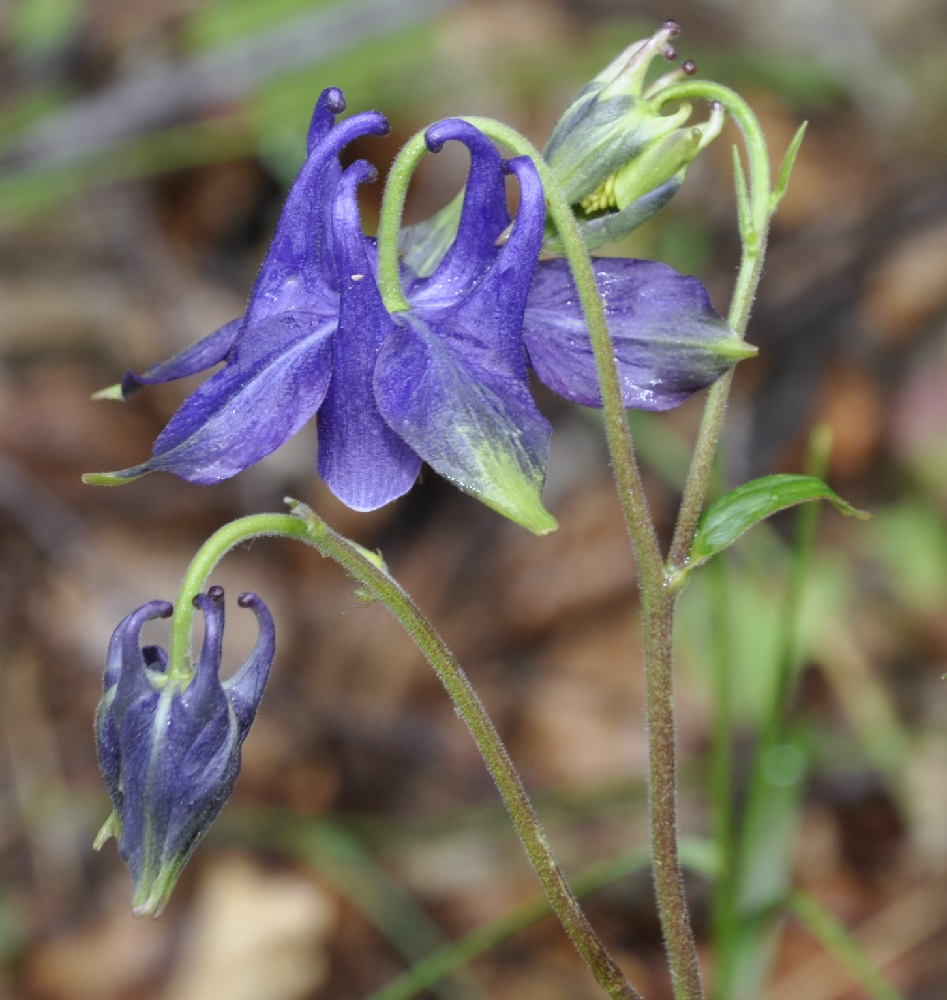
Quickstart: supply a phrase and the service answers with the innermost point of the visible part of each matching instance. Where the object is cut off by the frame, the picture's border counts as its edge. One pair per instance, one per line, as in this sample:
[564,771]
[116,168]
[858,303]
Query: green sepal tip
[110,392]
[107,478]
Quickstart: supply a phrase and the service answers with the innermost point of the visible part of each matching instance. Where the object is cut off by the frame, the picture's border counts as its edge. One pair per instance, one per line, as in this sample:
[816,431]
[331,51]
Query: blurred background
[145,147]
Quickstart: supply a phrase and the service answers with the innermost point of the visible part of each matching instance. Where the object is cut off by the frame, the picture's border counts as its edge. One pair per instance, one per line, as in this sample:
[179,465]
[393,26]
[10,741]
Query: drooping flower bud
[169,748]
[618,158]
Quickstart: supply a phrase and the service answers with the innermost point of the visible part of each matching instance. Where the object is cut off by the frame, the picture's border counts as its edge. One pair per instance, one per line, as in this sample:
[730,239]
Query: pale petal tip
[110,478]
[110,392]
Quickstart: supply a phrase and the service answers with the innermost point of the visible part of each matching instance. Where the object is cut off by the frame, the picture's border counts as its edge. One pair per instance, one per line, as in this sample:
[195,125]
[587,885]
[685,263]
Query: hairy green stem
[657,598]
[657,616]
[754,230]
[305,526]
[389,222]
[202,565]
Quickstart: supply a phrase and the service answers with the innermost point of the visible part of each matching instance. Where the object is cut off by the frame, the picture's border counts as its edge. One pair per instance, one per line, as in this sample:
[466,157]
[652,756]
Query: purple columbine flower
[169,750]
[445,381]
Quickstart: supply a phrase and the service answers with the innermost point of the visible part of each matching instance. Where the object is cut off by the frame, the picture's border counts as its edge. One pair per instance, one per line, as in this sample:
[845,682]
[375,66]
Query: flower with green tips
[169,747]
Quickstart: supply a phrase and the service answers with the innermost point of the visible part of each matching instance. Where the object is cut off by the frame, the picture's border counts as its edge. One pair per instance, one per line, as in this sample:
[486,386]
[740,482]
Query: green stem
[754,231]
[657,599]
[304,525]
[657,618]
[202,565]
[389,222]
[620,446]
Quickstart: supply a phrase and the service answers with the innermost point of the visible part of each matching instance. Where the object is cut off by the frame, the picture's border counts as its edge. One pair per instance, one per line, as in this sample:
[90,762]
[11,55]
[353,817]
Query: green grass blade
[836,940]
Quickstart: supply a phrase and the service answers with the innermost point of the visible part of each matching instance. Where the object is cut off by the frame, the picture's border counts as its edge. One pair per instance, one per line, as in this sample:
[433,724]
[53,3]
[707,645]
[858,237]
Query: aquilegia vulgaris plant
[416,347]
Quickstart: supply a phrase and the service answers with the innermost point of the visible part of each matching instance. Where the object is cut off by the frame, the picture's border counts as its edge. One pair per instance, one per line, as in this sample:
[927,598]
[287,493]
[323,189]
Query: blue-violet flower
[168,747]
[444,381]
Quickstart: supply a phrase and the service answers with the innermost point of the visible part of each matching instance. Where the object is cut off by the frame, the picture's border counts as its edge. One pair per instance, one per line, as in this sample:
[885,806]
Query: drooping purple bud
[169,747]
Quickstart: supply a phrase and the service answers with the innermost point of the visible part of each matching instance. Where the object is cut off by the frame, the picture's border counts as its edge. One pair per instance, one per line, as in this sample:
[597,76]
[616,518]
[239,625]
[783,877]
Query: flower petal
[483,218]
[204,687]
[362,460]
[245,688]
[124,641]
[330,105]
[486,325]
[272,385]
[453,383]
[477,427]
[133,679]
[206,353]
[668,340]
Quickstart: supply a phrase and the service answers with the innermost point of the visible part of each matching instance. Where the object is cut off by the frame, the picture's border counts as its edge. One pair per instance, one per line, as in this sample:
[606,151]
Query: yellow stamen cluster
[602,198]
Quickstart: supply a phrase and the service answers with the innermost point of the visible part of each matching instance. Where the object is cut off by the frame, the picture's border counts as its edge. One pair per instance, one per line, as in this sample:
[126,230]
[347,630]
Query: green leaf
[727,518]
[744,212]
[838,942]
[789,160]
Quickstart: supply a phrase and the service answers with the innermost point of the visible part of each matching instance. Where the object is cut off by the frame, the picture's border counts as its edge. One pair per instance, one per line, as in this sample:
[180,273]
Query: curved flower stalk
[169,746]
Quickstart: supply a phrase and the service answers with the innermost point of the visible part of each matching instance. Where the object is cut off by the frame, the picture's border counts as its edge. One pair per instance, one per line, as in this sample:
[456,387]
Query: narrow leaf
[838,942]
[782,180]
[727,518]
[744,215]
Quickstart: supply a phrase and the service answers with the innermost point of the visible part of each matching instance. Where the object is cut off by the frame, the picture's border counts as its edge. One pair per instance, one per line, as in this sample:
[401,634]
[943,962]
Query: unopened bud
[617,157]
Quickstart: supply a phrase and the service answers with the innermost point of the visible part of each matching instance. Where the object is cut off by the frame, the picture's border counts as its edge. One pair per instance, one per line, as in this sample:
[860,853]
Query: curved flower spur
[169,745]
